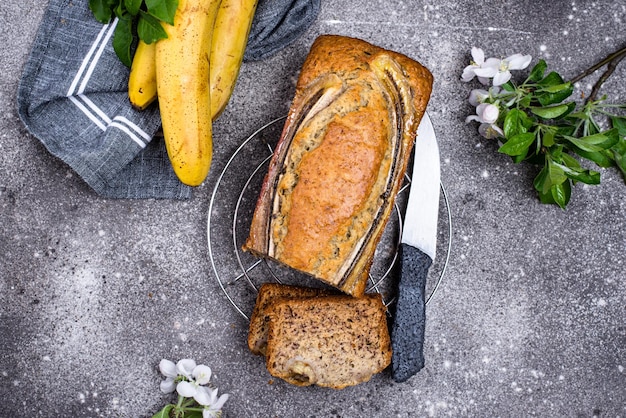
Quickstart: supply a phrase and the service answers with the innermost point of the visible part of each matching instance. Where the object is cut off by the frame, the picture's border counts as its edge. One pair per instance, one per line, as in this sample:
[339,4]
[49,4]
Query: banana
[142,80]
[182,62]
[230,38]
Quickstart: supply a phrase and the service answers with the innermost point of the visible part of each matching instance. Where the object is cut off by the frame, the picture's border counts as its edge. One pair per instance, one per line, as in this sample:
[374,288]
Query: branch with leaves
[535,122]
[136,19]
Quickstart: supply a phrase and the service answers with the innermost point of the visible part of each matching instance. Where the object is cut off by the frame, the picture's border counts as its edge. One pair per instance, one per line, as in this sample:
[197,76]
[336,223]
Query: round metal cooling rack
[233,201]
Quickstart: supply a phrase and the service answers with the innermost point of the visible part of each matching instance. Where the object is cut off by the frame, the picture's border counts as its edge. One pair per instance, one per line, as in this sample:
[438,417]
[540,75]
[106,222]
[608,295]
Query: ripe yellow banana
[142,80]
[182,61]
[230,38]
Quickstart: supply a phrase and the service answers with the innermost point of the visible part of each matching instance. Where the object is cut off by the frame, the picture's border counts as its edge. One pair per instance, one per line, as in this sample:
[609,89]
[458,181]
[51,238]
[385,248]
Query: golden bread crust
[340,161]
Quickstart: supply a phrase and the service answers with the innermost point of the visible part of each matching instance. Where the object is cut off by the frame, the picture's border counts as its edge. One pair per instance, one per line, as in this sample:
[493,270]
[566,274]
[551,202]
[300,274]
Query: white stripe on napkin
[87,113]
[87,106]
[134,127]
[100,119]
[103,37]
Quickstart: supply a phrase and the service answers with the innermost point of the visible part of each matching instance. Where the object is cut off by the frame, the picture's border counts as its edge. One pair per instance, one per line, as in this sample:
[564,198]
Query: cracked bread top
[340,160]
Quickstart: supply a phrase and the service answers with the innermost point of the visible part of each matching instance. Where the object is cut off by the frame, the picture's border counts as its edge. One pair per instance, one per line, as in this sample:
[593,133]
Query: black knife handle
[407,330]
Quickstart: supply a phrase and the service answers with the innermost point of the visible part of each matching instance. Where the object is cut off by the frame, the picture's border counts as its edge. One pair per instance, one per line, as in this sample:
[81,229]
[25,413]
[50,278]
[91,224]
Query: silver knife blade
[420,222]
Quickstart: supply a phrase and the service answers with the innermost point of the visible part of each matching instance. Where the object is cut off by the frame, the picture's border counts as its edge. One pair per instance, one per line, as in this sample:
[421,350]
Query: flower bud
[487,113]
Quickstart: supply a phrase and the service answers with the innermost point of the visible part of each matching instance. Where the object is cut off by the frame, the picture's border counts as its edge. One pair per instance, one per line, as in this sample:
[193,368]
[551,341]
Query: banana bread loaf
[332,341]
[340,160]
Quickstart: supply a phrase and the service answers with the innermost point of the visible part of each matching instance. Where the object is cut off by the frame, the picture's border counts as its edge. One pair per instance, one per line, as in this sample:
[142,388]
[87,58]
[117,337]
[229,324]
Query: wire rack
[232,204]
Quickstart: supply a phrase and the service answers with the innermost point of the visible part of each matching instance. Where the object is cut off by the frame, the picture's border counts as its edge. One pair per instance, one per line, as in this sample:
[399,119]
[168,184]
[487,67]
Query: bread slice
[331,341]
[340,161]
[268,294]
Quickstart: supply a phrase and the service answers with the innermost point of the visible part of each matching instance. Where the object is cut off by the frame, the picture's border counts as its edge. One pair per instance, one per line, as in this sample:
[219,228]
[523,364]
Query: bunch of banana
[192,73]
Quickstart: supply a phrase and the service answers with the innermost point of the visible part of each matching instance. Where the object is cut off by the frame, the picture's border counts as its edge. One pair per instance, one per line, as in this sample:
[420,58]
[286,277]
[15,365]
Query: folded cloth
[277,23]
[73,97]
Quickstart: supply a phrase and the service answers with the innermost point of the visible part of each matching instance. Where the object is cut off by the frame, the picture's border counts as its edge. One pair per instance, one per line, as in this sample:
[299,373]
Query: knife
[416,253]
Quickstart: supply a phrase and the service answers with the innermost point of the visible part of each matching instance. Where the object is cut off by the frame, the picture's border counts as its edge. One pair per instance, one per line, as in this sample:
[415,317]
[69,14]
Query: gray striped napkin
[73,97]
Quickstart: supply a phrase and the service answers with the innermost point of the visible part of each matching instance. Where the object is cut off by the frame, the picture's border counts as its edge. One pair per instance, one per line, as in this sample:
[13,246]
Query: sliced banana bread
[268,294]
[332,341]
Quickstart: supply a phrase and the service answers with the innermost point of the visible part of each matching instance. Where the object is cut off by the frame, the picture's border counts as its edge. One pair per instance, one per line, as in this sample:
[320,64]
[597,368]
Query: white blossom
[478,59]
[202,374]
[168,369]
[477,96]
[499,70]
[212,404]
[185,367]
[490,131]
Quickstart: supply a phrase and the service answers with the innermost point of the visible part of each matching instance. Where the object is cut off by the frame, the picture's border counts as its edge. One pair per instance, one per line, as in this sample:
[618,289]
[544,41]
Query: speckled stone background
[529,321]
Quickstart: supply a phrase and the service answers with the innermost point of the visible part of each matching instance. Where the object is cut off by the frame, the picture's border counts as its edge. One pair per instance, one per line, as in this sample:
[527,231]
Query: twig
[609,70]
[615,55]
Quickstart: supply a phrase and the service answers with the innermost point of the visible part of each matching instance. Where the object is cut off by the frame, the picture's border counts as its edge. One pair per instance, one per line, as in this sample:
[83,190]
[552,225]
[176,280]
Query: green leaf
[613,138]
[620,161]
[547,140]
[579,174]
[579,115]
[518,144]
[552,89]
[565,130]
[583,145]
[133,6]
[604,140]
[601,158]
[165,412]
[619,155]
[122,41]
[619,122]
[620,146]
[561,193]
[552,79]
[164,10]
[121,12]
[596,142]
[508,86]
[569,161]
[557,153]
[547,98]
[556,175]
[149,29]
[552,185]
[516,122]
[540,180]
[550,112]
[538,70]
[101,10]
[526,101]
[519,158]
[546,198]
[556,88]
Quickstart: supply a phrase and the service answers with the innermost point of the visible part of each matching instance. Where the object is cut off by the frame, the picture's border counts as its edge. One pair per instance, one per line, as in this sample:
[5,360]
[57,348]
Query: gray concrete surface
[529,321]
